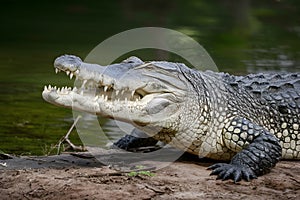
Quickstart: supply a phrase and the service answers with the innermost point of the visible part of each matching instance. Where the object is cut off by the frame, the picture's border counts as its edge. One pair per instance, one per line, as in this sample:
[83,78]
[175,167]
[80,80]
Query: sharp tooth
[81,92]
[136,99]
[69,88]
[74,89]
[117,92]
[45,88]
[58,90]
[68,72]
[122,92]
[132,93]
[106,97]
[84,82]
[71,75]
[49,87]
[56,70]
[105,88]
[96,98]
[102,96]
[118,100]
[55,87]
[125,99]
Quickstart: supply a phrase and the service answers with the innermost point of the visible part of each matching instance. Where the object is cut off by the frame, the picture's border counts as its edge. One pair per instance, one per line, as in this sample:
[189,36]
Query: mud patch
[184,179]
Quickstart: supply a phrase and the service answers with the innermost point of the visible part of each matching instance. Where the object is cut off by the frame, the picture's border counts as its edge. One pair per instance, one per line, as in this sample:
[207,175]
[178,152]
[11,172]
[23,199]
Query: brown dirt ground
[183,179]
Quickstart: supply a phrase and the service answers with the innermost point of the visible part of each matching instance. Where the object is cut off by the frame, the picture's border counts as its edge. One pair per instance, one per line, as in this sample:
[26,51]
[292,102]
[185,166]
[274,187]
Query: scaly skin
[251,121]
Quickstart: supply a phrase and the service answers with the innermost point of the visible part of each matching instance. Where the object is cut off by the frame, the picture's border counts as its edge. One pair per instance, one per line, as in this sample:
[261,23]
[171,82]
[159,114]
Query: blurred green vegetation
[241,36]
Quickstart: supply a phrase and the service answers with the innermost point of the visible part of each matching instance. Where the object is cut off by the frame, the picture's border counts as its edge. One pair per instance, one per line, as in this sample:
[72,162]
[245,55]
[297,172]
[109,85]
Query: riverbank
[80,176]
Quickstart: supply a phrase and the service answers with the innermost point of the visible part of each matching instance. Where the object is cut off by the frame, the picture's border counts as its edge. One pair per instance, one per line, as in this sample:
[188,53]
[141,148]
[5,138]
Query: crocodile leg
[258,151]
[136,139]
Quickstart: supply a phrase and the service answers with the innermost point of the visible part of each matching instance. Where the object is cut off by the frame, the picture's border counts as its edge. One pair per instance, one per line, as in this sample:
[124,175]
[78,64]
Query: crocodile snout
[67,62]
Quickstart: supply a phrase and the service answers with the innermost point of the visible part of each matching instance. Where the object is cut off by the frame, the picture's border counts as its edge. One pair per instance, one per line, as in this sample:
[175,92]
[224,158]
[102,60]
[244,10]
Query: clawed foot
[226,171]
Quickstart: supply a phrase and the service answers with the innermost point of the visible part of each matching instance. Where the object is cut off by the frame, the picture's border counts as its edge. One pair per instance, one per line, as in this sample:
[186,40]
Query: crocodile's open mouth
[91,88]
[128,91]
[95,97]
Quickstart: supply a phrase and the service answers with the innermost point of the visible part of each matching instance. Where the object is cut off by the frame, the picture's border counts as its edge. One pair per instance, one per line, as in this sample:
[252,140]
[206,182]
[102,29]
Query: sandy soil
[184,179]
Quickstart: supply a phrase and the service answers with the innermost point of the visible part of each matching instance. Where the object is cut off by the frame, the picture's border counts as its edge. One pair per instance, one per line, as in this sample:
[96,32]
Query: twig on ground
[66,139]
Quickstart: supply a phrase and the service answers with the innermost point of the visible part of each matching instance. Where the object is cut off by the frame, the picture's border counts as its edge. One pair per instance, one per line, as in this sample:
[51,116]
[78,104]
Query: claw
[231,171]
[216,171]
[237,176]
[215,166]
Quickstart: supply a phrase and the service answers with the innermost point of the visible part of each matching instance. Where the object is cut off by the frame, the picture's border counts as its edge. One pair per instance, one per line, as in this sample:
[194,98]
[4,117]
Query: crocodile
[247,123]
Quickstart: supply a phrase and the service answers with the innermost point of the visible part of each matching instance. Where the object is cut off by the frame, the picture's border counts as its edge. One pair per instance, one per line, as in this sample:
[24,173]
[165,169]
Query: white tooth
[55,87]
[106,97]
[102,96]
[45,88]
[58,90]
[69,88]
[68,72]
[125,99]
[56,70]
[122,92]
[136,99]
[84,82]
[74,89]
[96,98]
[118,100]
[105,88]
[71,75]
[77,71]
[81,92]
[117,92]
[49,87]
[132,93]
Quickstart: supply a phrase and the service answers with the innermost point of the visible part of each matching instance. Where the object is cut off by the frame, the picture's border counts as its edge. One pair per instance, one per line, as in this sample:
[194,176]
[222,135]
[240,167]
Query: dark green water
[241,36]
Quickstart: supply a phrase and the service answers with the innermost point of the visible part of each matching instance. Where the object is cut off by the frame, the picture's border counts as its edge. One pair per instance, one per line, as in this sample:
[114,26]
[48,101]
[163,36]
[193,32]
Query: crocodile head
[133,91]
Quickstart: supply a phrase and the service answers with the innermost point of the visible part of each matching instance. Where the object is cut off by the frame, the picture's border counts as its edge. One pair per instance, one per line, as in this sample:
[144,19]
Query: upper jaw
[109,82]
[97,92]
